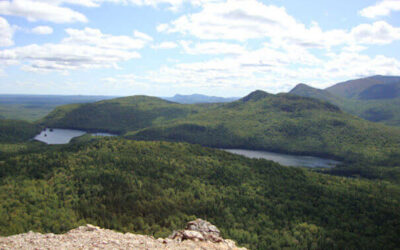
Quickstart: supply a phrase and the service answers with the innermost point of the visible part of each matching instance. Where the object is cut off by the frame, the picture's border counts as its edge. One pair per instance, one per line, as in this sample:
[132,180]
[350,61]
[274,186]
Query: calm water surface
[62,136]
[287,160]
[102,134]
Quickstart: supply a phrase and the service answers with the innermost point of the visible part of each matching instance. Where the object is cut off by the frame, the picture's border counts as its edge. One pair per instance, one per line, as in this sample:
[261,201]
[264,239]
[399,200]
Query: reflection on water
[62,136]
[287,160]
[58,136]
[102,134]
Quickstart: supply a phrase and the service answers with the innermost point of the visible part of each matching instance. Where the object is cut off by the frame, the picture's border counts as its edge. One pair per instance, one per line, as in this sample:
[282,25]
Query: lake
[286,159]
[62,136]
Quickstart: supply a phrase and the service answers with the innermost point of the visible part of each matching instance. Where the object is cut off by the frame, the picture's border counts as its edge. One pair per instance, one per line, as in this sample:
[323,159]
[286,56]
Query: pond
[286,159]
[62,136]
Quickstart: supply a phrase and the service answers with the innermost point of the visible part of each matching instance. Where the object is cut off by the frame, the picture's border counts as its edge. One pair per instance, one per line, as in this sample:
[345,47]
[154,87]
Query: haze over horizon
[211,47]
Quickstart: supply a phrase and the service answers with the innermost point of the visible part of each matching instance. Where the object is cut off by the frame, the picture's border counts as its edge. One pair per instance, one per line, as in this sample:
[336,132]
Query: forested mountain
[381,91]
[154,187]
[282,123]
[12,131]
[118,115]
[376,98]
[304,90]
[364,87]
[197,98]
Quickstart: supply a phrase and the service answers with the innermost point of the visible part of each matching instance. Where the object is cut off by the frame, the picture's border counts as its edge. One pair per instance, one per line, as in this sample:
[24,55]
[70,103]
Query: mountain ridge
[279,123]
[375,98]
[352,88]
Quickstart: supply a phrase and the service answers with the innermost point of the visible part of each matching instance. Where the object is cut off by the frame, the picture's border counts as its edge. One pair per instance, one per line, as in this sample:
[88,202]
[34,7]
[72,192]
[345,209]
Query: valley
[280,123]
[199,124]
[147,165]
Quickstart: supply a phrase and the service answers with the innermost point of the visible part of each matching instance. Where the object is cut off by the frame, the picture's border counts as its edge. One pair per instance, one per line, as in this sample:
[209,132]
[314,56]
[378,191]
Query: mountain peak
[255,96]
[300,86]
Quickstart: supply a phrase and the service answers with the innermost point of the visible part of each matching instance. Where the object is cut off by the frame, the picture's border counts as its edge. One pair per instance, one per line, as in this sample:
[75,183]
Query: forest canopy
[155,187]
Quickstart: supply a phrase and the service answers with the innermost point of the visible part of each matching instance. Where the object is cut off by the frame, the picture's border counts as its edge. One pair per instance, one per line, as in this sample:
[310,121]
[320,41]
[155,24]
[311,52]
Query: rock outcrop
[198,230]
[198,234]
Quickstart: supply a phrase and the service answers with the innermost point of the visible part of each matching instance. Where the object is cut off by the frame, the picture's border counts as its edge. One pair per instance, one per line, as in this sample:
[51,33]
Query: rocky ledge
[198,234]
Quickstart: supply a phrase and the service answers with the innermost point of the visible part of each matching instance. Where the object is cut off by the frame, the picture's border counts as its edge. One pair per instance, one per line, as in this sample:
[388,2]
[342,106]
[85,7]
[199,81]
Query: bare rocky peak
[198,234]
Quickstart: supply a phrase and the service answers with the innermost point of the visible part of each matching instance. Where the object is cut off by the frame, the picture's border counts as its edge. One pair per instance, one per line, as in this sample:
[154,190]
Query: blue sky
[213,47]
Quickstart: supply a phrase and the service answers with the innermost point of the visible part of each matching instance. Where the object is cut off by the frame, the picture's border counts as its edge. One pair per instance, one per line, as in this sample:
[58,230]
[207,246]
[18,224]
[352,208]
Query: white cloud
[94,37]
[351,65]
[283,51]
[40,10]
[6,33]
[266,68]
[271,68]
[354,48]
[242,20]
[212,48]
[82,49]
[86,3]
[143,36]
[234,19]
[42,30]
[165,45]
[111,80]
[173,5]
[376,33]
[382,8]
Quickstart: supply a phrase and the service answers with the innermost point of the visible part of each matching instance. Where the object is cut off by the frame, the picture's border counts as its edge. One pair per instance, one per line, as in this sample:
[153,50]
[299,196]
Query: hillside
[320,94]
[374,87]
[281,123]
[378,103]
[13,131]
[154,187]
[197,98]
[381,91]
[117,115]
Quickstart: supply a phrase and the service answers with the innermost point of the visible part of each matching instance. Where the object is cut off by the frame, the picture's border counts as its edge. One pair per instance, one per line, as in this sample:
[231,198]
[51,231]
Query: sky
[213,47]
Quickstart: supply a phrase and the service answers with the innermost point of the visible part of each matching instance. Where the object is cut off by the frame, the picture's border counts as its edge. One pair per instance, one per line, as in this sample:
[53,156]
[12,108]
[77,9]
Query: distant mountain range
[375,98]
[148,185]
[263,121]
[33,107]
[369,88]
[197,98]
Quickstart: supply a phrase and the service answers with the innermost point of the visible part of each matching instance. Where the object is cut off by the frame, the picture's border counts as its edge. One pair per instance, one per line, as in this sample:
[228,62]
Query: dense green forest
[154,187]
[118,115]
[12,131]
[380,110]
[280,123]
